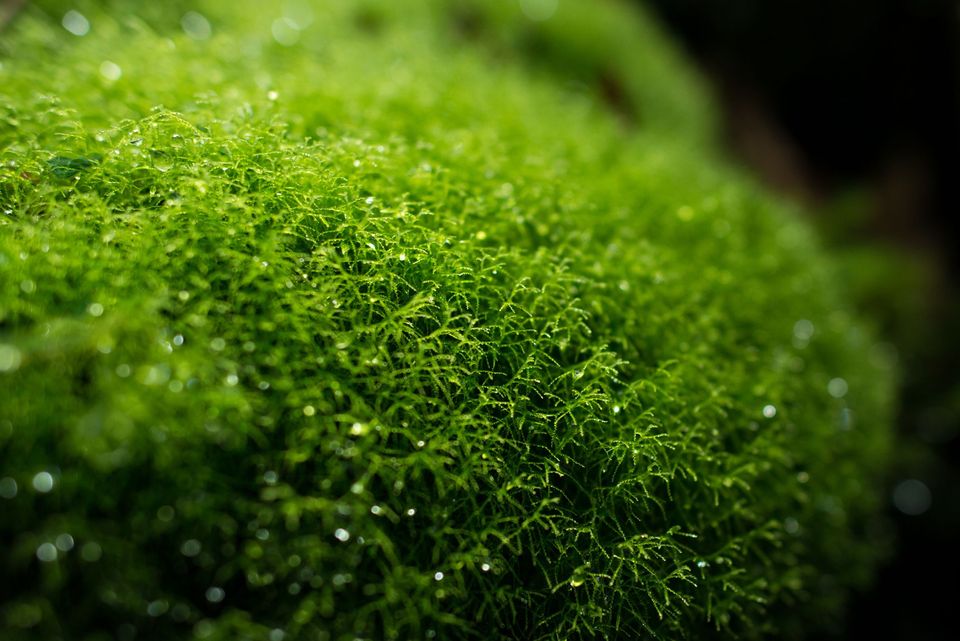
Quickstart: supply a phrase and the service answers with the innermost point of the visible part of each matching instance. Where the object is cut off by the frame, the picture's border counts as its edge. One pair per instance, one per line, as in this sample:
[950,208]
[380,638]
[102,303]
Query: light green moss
[397,332]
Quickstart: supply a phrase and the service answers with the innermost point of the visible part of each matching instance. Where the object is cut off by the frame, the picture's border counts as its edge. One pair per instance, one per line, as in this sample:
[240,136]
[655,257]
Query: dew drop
[769,411]
[47,552]
[438,576]
[215,594]
[157,608]
[803,330]
[43,482]
[110,71]
[912,497]
[10,358]
[196,26]
[837,388]
[190,548]
[342,535]
[64,542]
[76,23]
[285,31]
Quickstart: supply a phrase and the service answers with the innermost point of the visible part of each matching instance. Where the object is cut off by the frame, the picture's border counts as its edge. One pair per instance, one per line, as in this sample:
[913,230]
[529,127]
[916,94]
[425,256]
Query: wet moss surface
[366,321]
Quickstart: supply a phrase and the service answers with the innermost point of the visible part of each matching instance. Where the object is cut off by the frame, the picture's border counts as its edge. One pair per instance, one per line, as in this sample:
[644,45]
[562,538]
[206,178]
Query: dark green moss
[385,334]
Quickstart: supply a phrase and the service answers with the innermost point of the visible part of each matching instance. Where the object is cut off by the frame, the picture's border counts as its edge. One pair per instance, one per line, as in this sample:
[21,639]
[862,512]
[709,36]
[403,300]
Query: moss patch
[352,320]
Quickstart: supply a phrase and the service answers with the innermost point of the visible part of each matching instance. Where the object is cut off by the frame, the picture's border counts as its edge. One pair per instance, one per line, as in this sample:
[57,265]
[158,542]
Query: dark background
[853,108]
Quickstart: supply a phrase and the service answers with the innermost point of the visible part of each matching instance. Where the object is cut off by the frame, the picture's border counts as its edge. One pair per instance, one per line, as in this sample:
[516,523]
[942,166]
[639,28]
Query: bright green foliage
[435,323]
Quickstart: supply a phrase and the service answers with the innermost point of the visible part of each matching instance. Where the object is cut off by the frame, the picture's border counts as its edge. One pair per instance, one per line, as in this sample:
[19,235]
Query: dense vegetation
[379,320]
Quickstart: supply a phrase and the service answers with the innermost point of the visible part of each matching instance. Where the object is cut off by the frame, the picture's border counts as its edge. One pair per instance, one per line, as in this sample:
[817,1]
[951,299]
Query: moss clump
[380,327]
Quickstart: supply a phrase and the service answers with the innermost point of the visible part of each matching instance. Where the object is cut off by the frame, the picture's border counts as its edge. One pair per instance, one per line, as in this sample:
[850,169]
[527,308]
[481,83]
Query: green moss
[396,332]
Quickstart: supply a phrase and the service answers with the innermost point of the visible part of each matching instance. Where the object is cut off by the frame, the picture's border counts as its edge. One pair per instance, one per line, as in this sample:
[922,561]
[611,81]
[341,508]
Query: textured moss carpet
[382,320]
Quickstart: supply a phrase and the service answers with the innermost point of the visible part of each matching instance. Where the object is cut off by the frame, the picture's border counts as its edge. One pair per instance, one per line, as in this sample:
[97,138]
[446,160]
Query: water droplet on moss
[196,26]
[342,534]
[157,608]
[215,594]
[110,71]
[912,497]
[837,388]
[47,552]
[285,31]
[76,23]
[190,548]
[43,482]
[10,358]
[769,411]
[64,542]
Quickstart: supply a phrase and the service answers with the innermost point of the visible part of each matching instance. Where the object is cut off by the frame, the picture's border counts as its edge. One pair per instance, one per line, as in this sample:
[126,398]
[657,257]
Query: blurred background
[853,108]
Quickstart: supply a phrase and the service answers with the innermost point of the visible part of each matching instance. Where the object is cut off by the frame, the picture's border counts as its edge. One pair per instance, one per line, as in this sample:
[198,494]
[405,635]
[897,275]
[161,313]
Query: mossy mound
[401,322]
